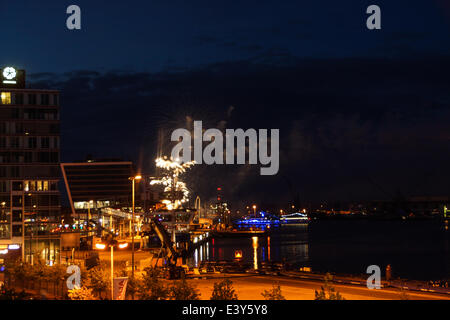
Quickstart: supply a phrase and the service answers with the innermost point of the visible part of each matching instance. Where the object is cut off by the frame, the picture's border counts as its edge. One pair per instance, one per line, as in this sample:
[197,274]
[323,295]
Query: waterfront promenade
[250,287]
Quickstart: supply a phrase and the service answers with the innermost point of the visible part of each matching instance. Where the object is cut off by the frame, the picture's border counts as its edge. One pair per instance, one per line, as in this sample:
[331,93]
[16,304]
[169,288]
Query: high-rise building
[29,169]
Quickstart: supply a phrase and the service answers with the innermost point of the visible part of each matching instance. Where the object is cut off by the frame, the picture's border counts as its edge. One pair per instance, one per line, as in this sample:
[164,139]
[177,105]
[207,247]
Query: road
[251,287]
[124,255]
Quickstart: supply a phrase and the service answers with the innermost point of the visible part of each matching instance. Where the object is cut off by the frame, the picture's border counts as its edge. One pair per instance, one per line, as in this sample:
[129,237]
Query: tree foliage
[151,288]
[327,291]
[224,290]
[82,293]
[403,294]
[273,294]
[181,290]
[98,279]
[39,271]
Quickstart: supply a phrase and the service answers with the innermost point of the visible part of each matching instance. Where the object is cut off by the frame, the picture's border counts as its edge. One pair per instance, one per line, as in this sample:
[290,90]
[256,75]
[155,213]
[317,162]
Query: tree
[57,272]
[274,294]
[82,293]
[328,292]
[97,279]
[24,271]
[151,288]
[224,291]
[181,290]
[403,294]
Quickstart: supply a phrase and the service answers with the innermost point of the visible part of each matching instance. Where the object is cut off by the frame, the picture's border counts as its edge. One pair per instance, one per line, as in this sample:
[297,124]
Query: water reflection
[344,247]
[255,252]
[289,244]
[196,258]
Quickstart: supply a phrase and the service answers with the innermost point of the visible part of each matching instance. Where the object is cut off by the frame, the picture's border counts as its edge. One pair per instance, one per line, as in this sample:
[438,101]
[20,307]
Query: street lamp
[133,179]
[3,217]
[111,244]
[89,215]
[254,210]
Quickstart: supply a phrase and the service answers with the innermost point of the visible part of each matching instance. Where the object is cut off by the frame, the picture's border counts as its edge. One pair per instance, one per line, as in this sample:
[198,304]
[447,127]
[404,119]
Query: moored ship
[295,217]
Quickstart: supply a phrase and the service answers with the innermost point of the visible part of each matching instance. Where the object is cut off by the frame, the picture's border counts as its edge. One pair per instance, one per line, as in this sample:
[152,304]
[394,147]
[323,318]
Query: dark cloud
[230,44]
[41,75]
[251,47]
[205,40]
[350,128]
[405,36]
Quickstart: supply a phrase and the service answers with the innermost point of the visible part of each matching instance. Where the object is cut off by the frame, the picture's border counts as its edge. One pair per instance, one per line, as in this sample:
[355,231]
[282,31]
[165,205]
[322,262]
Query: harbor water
[414,249]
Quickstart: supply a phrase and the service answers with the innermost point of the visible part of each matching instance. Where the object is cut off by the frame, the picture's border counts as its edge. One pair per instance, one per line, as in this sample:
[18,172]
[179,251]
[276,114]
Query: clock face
[9,73]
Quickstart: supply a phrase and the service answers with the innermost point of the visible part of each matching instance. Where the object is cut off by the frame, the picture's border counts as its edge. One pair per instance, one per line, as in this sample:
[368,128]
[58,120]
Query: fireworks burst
[176,189]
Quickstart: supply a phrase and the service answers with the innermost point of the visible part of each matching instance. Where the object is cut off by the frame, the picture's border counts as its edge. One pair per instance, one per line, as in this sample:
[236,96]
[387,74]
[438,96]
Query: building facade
[100,194]
[29,168]
[97,184]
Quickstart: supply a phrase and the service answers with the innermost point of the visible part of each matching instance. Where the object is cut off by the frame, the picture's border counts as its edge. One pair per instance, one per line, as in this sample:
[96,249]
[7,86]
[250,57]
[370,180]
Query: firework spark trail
[171,182]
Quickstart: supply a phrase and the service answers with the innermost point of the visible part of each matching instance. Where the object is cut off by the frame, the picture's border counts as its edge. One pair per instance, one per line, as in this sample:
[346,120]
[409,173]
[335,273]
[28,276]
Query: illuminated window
[45,186]
[26,186]
[39,186]
[6,97]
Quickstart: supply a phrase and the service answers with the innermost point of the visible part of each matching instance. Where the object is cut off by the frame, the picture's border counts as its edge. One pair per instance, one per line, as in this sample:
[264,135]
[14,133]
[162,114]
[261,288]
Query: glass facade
[106,182]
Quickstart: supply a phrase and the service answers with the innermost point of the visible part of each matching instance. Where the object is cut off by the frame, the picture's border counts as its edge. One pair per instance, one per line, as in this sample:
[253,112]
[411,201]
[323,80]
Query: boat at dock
[263,221]
[296,217]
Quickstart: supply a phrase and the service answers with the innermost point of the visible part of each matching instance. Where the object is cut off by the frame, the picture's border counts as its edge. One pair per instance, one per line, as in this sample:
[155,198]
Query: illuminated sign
[9,74]
[11,77]
[13,247]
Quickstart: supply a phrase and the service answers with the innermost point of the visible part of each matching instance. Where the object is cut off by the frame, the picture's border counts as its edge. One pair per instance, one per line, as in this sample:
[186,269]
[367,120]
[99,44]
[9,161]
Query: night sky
[362,114]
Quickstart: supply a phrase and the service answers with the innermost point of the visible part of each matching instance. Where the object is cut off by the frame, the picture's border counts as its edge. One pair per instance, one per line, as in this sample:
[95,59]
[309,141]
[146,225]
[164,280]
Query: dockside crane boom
[164,237]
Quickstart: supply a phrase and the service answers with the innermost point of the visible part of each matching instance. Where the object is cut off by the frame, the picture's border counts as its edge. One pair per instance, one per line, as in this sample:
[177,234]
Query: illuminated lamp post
[133,179]
[89,215]
[111,244]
